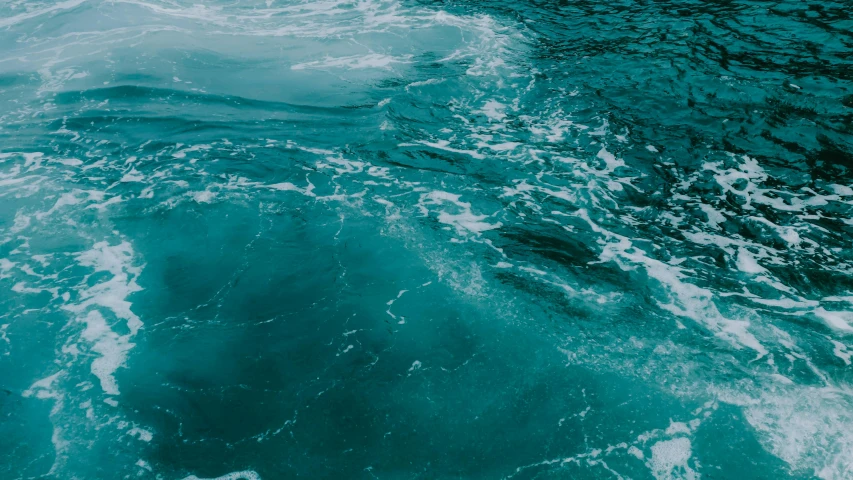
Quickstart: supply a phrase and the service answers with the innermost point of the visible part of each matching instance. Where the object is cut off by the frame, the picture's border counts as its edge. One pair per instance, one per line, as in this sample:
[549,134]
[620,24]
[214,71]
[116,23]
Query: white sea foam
[244,475]
[111,295]
[687,300]
[445,145]
[353,62]
[841,321]
[289,187]
[132,176]
[494,110]
[841,351]
[141,434]
[596,181]
[464,221]
[804,426]
[670,458]
[43,388]
[842,190]
[423,83]
[746,263]
[21,17]
[111,347]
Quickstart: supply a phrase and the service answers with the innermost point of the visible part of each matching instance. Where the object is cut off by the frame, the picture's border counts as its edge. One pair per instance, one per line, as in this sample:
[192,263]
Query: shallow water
[393,239]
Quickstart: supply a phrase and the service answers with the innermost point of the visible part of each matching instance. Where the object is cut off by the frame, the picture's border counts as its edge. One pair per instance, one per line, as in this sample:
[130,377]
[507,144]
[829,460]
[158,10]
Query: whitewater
[245,240]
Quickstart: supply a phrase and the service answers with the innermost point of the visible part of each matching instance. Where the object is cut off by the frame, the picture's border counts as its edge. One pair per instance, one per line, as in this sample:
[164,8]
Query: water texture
[420,239]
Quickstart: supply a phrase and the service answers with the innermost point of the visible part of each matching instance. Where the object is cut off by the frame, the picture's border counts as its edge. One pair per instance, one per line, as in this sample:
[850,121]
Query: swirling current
[426,239]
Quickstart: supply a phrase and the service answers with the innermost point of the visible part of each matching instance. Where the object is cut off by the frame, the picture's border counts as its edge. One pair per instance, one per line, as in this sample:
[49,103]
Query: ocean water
[393,239]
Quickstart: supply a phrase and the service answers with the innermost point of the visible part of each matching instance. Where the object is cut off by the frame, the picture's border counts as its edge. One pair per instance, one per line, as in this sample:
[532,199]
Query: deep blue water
[426,240]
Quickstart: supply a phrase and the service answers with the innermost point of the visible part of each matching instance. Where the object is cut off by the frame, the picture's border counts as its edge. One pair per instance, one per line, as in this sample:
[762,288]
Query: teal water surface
[426,239]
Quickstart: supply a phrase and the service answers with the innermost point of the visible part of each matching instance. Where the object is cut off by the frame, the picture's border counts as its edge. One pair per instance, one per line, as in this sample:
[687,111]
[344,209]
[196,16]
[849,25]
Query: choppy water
[394,239]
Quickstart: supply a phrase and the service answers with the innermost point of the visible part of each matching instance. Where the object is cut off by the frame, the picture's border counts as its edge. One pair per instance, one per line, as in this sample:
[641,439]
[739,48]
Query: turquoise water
[436,240]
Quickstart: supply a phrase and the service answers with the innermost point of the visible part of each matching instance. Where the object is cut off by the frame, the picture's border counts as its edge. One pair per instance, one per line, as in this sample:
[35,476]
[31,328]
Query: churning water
[424,239]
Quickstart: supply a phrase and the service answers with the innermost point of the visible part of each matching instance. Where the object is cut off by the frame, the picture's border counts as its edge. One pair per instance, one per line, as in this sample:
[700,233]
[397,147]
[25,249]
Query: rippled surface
[426,240]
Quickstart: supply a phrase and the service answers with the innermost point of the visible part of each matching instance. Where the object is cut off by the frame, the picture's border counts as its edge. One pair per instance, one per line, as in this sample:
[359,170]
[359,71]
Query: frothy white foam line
[669,457]
[465,222]
[354,62]
[423,83]
[244,475]
[110,294]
